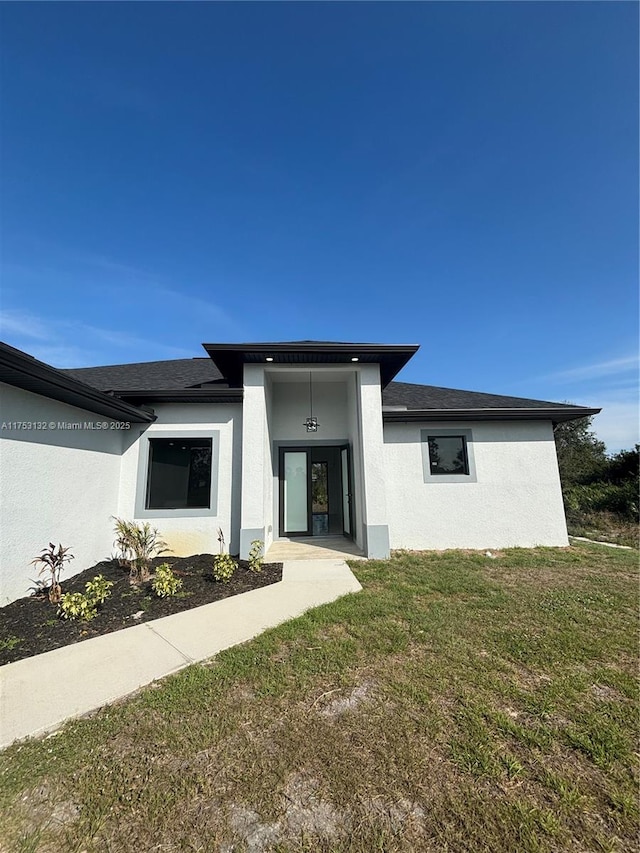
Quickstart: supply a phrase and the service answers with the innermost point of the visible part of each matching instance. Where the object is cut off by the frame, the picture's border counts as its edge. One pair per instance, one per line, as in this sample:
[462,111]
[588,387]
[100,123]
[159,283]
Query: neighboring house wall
[188,531]
[57,485]
[515,501]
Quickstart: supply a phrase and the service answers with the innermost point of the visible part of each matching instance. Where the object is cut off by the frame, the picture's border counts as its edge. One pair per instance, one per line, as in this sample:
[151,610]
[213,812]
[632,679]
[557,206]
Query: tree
[624,466]
[582,457]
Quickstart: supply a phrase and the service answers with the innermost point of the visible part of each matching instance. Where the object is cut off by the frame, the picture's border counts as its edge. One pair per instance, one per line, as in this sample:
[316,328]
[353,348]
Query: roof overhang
[231,358]
[554,414]
[23,371]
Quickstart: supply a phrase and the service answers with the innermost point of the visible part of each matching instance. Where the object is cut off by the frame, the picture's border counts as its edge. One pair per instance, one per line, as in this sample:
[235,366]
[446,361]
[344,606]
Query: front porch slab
[314,548]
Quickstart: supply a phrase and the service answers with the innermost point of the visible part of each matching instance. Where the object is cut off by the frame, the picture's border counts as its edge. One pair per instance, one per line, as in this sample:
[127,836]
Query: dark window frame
[465,453]
[437,431]
[194,442]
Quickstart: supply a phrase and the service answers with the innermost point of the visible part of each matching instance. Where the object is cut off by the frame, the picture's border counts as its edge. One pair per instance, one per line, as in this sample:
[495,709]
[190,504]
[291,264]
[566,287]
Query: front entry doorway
[316,491]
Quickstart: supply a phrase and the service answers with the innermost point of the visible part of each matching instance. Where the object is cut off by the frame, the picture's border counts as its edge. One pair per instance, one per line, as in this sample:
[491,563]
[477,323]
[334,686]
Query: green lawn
[458,703]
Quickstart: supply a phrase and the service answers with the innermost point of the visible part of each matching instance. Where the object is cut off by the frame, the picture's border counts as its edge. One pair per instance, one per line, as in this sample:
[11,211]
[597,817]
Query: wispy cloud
[200,307]
[106,264]
[611,367]
[60,355]
[610,384]
[24,325]
[94,308]
[49,341]
[125,340]
[617,424]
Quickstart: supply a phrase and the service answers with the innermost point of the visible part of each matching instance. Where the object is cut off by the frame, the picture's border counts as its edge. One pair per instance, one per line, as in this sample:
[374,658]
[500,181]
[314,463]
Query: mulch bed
[30,625]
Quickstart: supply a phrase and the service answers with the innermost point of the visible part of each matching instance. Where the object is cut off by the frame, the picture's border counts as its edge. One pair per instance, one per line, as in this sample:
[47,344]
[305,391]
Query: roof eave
[23,371]
[231,358]
[556,415]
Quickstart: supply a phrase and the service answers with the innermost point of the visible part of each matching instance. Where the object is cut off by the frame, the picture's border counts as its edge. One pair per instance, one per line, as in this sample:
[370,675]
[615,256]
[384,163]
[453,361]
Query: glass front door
[315,491]
[294,492]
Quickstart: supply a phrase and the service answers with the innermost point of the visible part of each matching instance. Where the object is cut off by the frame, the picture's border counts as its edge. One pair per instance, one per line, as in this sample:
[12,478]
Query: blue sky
[463,176]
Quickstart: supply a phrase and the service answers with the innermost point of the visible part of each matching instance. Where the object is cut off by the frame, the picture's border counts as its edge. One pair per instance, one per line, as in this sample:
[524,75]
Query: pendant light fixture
[311,423]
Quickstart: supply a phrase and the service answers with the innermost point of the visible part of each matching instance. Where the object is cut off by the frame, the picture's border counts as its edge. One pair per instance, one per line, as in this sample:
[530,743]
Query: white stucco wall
[189,531]
[373,469]
[516,501]
[354,417]
[56,485]
[269,486]
[256,460]
[290,408]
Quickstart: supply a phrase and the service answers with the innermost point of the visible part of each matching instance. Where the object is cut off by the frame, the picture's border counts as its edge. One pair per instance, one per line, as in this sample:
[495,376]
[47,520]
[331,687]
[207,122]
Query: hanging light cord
[310,396]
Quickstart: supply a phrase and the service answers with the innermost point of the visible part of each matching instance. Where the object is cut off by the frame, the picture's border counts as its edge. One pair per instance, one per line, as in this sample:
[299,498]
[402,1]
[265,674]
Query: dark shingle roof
[433,397]
[170,375]
[191,373]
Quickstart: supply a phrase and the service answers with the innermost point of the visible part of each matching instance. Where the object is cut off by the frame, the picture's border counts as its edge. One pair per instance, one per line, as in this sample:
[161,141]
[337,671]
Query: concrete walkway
[39,694]
[598,542]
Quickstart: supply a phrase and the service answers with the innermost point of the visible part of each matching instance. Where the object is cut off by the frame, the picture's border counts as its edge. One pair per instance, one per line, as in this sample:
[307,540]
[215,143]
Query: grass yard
[458,703]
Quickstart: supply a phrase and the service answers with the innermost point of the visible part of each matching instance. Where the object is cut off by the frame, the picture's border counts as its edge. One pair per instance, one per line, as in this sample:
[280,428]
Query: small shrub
[223,567]
[138,544]
[255,555]
[99,589]
[76,605]
[84,606]
[165,583]
[53,561]
[123,541]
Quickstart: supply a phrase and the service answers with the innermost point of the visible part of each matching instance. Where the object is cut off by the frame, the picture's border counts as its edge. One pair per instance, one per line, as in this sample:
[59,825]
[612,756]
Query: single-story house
[268,441]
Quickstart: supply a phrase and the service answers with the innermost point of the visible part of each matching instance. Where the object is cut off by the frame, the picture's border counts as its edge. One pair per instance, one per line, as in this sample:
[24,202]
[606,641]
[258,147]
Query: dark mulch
[30,625]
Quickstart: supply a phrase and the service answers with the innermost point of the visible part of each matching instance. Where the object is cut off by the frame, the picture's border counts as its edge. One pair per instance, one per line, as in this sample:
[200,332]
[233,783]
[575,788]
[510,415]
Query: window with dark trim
[448,454]
[179,473]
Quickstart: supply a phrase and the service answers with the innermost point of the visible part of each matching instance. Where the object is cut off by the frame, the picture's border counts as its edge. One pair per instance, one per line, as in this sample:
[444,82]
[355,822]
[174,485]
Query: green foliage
[624,467]
[618,498]
[138,544]
[52,561]
[165,584]
[10,642]
[581,456]
[595,488]
[76,605]
[255,555]
[223,567]
[99,589]
[124,539]
[84,606]
[557,734]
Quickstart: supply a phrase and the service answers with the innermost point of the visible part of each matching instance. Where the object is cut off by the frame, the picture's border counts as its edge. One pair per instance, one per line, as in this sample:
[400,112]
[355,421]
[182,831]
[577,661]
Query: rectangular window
[448,454]
[179,473]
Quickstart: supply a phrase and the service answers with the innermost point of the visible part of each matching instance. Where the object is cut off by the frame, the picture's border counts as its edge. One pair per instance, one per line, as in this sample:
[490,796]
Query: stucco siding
[188,531]
[57,485]
[515,501]
[354,433]
[290,407]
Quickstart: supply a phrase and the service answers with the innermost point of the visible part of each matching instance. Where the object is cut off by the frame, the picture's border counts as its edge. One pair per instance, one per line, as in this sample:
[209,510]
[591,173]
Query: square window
[448,454]
[179,473]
